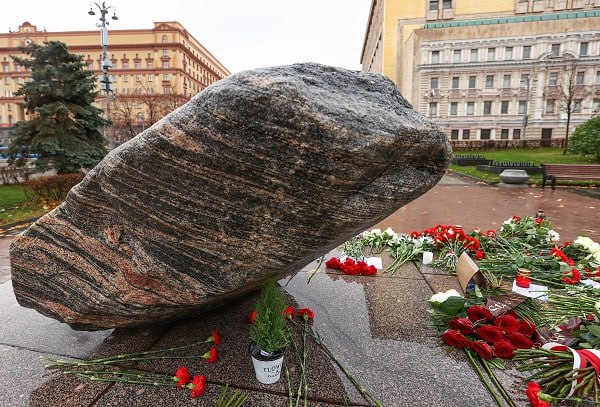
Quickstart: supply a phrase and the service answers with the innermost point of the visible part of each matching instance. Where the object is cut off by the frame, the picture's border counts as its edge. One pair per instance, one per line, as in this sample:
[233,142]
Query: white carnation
[442,297]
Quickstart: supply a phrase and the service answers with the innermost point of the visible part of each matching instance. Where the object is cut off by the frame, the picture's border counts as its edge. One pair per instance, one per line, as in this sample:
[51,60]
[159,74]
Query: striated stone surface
[256,176]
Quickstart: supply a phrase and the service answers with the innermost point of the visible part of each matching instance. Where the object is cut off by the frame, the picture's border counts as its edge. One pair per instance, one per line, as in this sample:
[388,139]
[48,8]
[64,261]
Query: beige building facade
[510,70]
[153,71]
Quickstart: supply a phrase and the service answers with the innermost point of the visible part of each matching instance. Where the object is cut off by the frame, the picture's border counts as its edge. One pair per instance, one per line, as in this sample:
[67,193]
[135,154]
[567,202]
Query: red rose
[182,376]
[454,338]
[523,282]
[507,323]
[289,312]
[533,394]
[482,349]
[215,337]
[333,263]
[516,218]
[252,316]
[306,313]
[198,386]
[504,349]
[211,356]
[477,313]
[526,328]
[463,325]
[489,333]
[519,341]
[572,277]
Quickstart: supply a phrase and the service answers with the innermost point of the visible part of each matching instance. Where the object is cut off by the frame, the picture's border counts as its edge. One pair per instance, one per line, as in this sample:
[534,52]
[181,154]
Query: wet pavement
[376,326]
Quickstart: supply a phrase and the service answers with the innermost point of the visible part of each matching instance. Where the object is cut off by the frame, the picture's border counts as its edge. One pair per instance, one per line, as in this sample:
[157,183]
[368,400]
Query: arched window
[164,39]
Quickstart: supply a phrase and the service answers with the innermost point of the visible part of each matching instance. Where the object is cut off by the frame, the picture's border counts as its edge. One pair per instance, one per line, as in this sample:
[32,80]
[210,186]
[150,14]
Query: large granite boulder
[256,176]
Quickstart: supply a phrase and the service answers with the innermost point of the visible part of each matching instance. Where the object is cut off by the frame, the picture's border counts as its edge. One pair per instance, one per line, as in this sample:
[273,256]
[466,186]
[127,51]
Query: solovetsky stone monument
[256,176]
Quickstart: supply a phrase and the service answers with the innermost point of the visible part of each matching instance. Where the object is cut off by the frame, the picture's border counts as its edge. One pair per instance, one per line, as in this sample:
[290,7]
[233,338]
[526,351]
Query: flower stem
[498,385]
[483,380]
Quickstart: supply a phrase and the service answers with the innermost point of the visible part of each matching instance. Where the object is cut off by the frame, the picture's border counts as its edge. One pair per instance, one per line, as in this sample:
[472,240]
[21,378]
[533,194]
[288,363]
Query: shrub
[52,190]
[586,138]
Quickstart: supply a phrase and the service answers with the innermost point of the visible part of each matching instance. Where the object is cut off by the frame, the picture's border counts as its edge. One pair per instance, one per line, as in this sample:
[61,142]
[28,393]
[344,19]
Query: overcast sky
[242,34]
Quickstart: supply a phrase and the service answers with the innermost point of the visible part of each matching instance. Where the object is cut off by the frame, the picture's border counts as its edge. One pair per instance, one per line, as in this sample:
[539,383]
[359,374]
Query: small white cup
[427,257]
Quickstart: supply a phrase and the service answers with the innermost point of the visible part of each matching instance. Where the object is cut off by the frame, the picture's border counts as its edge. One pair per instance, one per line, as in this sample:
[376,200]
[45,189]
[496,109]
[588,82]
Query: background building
[509,70]
[153,71]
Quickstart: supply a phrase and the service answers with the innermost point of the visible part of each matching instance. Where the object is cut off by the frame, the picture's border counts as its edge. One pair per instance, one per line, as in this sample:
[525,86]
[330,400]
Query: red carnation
[507,323]
[252,316]
[198,386]
[490,233]
[519,341]
[533,394]
[504,349]
[526,328]
[482,349]
[289,312]
[211,356]
[454,338]
[516,218]
[463,325]
[348,266]
[572,277]
[477,313]
[480,254]
[334,263]
[215,337]
[489,333]
[523,282]
[362,268]
[182,376]
[306,313]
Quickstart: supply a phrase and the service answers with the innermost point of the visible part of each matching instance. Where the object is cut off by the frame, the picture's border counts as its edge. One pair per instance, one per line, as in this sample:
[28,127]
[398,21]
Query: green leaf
[594,329]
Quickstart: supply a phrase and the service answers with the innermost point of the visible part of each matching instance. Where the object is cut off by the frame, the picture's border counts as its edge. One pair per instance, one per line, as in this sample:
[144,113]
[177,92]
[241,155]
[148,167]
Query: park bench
[585,172]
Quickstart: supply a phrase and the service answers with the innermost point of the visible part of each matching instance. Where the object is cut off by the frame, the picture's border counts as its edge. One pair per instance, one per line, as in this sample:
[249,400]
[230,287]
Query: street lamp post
[106,63]
[527,82]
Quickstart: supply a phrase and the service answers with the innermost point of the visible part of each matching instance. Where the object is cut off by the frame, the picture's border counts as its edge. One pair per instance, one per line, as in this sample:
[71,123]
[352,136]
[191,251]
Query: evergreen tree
[64,127]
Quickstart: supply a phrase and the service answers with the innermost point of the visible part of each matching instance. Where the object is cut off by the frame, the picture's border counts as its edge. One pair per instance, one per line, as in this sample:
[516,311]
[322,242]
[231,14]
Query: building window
[579,78]
[138,77]
[164,39]
[125,65]
[138,105]
[454,134]
[167,90]
[525,80]
[470,108]
[552,79]
[166,77]
[516,134]
[504,134]
[526,51]
[150,77]
[149,65]
[125,78]
[550,106]
[522,105]
[434,5]
[583,49]
[487,108]
[457,55]
[596,106]
[455,82]
[485,134]
[506,81]
[435,57]
[90,66]
[504,107]
[165,64]
[555,49]
[10,119]
[165,53]
[597,77]
[577,106]
[433,82]
[138,65]
[433,109]
[447,4]
[140,117]
[508,53]
[474,53]
[489,81]
[491,54]
[472,82]
[466,134]
[453,108]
